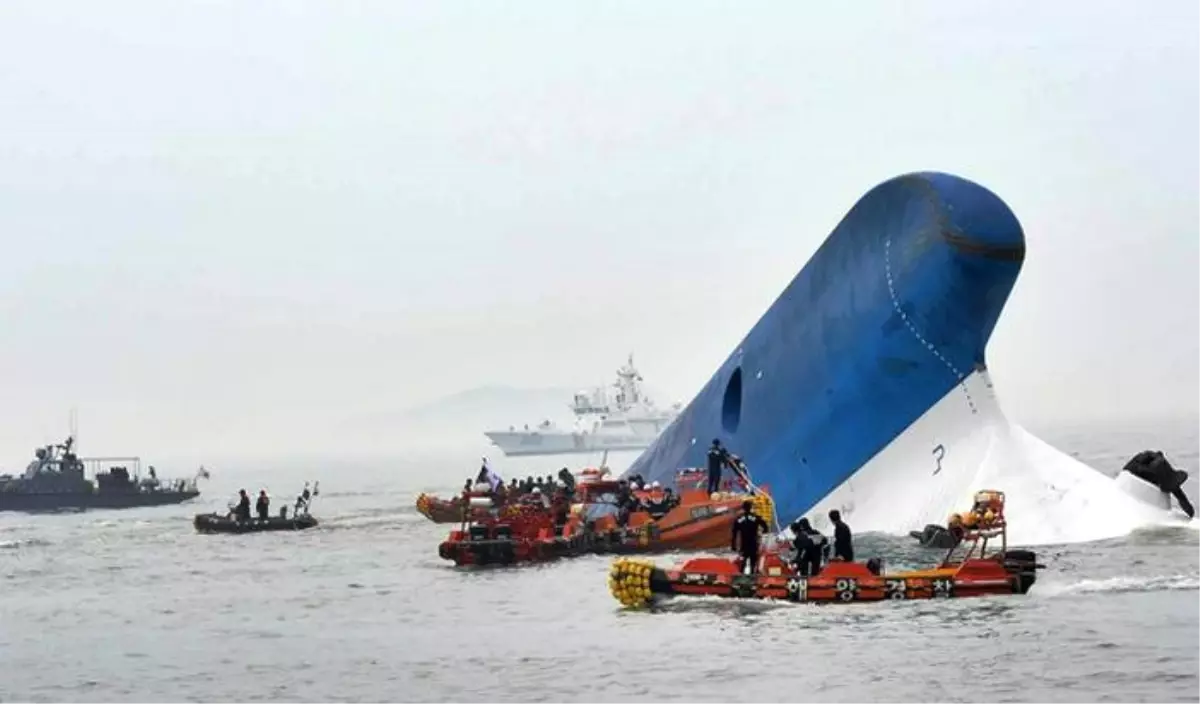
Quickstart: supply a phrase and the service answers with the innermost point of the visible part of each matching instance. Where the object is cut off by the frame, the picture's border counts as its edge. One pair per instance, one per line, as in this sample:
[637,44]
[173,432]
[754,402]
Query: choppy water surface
[135,606]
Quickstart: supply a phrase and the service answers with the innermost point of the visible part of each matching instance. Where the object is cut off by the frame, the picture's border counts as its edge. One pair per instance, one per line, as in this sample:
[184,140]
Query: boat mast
[73,424]
[629,393]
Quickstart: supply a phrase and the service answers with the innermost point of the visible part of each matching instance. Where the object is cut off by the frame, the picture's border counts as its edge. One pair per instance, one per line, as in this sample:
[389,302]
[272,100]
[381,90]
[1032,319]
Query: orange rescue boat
[598,521]
[441,510]
[685,518]
[967,570]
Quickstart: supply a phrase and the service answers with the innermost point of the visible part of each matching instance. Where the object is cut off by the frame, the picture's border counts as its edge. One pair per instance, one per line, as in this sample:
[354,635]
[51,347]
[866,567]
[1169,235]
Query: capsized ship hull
[864,386]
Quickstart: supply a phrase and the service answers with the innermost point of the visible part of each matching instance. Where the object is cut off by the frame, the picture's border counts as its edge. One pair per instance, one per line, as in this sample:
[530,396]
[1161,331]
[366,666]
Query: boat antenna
[73,424]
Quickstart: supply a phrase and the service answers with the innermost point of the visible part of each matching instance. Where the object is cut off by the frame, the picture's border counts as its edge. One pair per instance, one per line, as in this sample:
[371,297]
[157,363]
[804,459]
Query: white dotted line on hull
[959,376]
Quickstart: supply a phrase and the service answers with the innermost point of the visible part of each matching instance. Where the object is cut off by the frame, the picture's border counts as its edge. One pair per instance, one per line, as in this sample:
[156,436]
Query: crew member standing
[810,546]
[242,512]
[843,541]
[717,458]
[746,530]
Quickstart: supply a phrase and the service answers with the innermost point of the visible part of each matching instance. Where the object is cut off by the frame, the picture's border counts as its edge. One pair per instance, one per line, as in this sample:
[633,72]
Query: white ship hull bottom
[529,444]
[1052,498]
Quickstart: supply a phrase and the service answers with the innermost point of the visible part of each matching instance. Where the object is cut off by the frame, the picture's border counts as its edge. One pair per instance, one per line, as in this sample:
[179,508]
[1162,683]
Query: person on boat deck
[568,480]
[263,505]
[658,503]
[625,503]
[746,530]
[562,512]
[843,540]
[467,487]
[718,457]
[811,546]
[302,500]
[242,512]
[955,527]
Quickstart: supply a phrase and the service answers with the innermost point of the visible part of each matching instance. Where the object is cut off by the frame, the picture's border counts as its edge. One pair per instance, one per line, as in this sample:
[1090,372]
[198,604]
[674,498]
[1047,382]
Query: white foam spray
[963,444]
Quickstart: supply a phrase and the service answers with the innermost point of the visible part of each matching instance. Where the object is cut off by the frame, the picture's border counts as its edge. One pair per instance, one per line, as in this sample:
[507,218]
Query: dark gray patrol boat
[56,480]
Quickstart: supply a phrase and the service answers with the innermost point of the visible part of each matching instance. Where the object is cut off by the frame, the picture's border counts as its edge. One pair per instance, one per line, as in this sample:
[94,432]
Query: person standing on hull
[718,457]
[746,530]
[843,540]
[263,505]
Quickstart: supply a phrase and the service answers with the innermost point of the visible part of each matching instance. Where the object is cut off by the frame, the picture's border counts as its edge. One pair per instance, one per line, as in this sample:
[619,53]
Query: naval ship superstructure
[625,420]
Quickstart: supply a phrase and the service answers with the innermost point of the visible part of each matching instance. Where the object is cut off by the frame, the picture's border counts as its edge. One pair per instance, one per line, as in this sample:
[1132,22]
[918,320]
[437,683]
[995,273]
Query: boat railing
[985,522]
[99,465]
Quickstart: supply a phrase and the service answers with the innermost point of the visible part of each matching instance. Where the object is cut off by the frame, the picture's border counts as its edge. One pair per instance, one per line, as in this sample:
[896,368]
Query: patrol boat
[56,480]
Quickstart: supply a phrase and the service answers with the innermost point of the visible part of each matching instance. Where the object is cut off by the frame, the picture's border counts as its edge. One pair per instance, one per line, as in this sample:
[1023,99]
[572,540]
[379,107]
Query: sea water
[136,606]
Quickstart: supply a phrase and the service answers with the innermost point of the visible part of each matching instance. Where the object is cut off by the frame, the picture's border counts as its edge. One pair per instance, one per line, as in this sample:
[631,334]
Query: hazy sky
[237,223]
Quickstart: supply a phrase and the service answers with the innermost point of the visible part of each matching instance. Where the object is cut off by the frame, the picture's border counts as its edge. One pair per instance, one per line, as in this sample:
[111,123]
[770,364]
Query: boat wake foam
[1122,585]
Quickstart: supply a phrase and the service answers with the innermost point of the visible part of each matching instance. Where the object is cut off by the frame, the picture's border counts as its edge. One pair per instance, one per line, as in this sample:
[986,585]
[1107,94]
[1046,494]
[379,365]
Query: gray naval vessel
[56,480]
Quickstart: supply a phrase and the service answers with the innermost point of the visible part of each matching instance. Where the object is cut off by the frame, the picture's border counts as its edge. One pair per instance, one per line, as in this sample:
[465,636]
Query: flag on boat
[493,478]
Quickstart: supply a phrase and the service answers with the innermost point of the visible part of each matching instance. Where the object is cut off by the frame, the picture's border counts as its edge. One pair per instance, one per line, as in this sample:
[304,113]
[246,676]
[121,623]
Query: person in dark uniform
[843,540]
[717,459]
[568,481]
[242,512]
[263,505]
[746,530]
[811,547]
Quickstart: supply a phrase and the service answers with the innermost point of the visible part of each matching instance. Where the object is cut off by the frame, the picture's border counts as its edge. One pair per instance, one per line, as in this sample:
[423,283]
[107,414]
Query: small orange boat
[967,570]
[447,510]
[530,530]
[685,518]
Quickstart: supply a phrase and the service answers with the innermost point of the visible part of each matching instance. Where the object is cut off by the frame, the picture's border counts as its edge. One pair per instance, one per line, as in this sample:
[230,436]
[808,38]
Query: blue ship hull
[892,313]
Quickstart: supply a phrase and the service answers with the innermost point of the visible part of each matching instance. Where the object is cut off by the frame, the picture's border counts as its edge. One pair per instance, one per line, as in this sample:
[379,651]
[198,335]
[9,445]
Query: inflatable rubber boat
[216,523]
[972,571]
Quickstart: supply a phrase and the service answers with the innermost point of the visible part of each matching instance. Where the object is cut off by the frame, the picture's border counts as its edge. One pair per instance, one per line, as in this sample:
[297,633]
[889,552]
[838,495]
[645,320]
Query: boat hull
[447,511]
[636,583]
[695,524]
[54,502]
[520,444]
[214,523]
